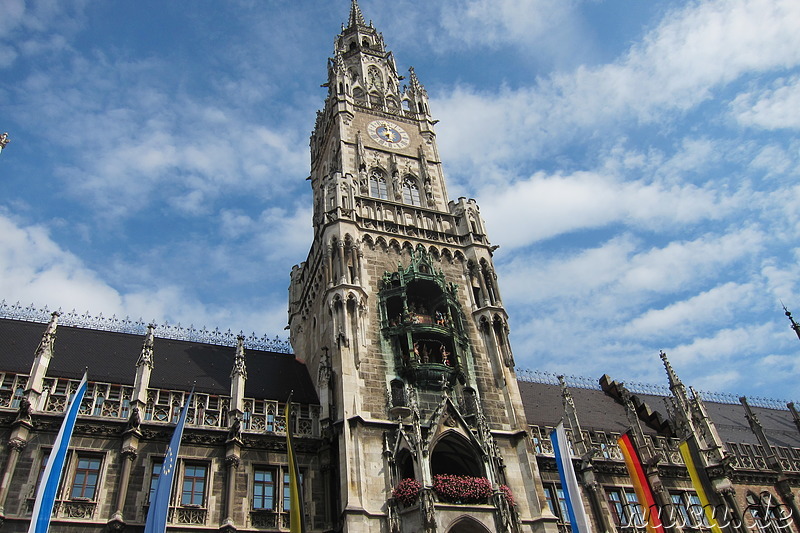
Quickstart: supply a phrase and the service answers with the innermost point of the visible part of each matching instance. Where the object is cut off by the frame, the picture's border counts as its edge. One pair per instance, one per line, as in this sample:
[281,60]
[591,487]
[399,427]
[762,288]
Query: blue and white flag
[569,483]
[48,486]
[159,504]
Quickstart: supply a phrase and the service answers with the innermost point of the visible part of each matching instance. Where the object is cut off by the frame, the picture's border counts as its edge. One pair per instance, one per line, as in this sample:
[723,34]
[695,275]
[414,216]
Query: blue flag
[159,505]
[48,486]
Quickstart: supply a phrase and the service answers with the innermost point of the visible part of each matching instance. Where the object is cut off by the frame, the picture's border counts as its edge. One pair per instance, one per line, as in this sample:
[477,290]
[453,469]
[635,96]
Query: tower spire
[356,18]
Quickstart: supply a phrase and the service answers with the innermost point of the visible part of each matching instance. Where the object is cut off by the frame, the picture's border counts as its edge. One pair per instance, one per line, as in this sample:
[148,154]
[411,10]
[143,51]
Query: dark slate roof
[596,410]
[111,357]
[599,411]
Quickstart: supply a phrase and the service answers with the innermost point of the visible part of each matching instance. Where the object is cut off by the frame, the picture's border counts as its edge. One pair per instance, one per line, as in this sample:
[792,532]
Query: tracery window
[411,192]
[377,185]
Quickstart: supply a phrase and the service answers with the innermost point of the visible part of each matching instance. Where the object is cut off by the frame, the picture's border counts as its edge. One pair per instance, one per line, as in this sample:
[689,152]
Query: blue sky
[636,161]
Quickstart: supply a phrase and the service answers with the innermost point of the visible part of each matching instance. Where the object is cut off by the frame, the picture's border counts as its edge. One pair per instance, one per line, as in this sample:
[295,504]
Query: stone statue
[135,420]
[24,412]
[235,431]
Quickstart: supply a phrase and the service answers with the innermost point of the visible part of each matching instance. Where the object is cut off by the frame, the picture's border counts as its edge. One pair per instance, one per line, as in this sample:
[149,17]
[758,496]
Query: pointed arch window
[411,192]
[377,185]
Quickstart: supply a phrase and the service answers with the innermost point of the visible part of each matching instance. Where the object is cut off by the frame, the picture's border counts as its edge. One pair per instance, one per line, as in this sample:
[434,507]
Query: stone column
[329,264]
[128,455]
[233,455]
[16,443]
[736,522]
[342,264]
[482,282]
[596,502]
[785,490]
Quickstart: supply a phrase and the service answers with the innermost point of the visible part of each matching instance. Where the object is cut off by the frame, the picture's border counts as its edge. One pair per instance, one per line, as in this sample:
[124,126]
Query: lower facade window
[194,484]
[271,489]
[155,473]
[688,511]
[264,489]
[625,508]
[87,474]
[557,502]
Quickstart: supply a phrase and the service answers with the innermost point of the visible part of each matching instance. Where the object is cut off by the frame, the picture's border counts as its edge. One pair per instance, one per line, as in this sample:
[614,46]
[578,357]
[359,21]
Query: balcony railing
[113,401]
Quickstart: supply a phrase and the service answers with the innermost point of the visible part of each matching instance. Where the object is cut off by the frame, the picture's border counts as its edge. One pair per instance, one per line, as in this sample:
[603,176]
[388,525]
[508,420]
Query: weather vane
[4,140]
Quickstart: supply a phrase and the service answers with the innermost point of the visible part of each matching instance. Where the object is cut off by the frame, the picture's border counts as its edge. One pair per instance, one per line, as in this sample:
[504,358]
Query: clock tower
[398,315]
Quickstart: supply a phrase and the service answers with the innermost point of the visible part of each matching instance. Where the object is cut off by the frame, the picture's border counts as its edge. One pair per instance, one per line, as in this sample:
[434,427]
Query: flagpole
[51,477]
[296,512]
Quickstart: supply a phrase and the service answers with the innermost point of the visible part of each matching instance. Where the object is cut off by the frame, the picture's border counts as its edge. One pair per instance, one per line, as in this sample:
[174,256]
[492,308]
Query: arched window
[377,185]
[405,465]
[411,192]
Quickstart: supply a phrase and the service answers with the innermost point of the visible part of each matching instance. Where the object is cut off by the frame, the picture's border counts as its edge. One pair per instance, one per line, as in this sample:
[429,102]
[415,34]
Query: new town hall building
[411,416]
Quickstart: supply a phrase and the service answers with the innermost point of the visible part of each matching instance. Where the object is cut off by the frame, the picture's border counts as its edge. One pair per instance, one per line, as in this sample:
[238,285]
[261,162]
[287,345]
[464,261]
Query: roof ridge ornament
[86,320]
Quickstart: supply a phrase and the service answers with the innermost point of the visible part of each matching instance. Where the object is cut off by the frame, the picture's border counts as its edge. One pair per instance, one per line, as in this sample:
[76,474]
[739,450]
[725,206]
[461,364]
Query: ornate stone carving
[129,452]
[17,444]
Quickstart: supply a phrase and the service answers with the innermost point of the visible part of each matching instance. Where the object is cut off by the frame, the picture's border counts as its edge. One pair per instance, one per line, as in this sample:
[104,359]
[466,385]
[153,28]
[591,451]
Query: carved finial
[566,396]
[4,140]
[758,429]
[674,380]
[49,336]
[413,81]
[356,18]
[338,62]
[795,326]
[146,357]
[239,368]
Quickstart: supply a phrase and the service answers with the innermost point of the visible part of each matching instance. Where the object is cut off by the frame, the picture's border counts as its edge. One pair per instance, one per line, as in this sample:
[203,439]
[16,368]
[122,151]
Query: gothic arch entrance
[454,454]
[467,524]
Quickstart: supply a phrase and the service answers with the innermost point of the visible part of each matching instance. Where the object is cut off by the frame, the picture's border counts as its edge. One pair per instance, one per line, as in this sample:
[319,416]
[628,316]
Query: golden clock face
[388,134]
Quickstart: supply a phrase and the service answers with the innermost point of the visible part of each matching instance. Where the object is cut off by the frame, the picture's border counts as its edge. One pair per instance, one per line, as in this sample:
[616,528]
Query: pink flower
[462,489]
[407,491]
[507,493]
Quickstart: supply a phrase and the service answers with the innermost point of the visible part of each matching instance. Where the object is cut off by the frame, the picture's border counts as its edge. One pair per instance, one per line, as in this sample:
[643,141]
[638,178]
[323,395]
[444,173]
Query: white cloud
[712,308]
[677,66]
[680,264]
[544,206]
[34,269]
[772,108]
